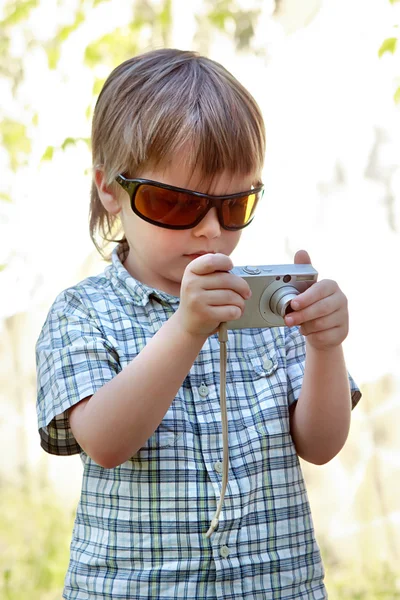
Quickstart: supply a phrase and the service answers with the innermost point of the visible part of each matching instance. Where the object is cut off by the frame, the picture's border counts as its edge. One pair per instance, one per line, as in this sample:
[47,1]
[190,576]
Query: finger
[323,323]
[222,314]
[328,338]
[324,307]
[210,263]
[224,298]
[302,258]
[222,280]
[316,292]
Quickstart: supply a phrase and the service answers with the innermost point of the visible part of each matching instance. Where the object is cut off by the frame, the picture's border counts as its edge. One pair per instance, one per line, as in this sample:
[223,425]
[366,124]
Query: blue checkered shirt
[140,527]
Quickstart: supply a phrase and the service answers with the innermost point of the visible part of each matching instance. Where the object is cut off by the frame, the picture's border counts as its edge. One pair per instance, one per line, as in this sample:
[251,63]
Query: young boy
[128,361]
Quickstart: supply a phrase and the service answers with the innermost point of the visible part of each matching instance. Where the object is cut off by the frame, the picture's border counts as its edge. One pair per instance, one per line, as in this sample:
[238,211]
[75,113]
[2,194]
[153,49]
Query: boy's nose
[209,226]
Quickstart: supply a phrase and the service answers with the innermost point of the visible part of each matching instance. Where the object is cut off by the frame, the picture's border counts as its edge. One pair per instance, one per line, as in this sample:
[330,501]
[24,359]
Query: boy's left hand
[321,311]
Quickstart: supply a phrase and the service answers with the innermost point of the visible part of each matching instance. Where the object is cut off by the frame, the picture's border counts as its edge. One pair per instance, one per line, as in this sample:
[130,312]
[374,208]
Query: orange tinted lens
[168,207]
[237,212]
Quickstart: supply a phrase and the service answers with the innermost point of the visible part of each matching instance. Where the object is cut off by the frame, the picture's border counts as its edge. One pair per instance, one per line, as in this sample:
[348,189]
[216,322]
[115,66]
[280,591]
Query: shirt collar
[139,292]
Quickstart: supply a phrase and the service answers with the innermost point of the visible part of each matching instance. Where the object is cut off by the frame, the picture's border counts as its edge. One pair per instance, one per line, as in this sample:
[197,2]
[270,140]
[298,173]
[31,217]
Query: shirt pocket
[173,426]
[265,405]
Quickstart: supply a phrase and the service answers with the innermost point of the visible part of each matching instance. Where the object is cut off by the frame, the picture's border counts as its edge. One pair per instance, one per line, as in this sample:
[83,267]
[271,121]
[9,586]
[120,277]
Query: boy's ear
[109,199]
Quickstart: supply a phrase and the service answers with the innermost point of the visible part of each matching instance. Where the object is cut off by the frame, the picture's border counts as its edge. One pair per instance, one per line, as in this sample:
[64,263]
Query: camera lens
[280,300]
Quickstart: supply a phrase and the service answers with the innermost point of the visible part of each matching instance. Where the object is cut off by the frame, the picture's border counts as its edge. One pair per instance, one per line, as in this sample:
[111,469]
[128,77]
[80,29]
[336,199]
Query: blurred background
[326,74]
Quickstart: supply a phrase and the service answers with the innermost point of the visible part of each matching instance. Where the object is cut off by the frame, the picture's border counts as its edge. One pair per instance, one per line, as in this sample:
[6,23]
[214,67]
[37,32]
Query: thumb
[302,258]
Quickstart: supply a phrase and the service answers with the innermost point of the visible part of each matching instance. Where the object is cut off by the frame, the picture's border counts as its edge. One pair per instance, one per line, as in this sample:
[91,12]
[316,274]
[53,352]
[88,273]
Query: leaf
[6,574]
[97,86]
[17,143]
[64,32]
[397,96]
[5,198]
[53,48]
[221,11]
[53,55]
[165,16]
[48,153]
[393,1]
[17,12]
[114,47]
[69,141]
[389,45]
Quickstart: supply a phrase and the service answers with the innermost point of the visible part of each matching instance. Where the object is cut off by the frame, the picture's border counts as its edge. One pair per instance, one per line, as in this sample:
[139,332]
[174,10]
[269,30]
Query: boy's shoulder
[84,290]
[93,297]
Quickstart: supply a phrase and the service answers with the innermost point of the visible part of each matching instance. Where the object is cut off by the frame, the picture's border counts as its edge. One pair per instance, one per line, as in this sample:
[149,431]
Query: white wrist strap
[223,338]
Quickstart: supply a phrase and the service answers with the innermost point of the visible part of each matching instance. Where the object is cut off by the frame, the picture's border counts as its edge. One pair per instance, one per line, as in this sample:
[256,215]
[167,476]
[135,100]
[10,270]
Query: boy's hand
[321,311]
[210,295]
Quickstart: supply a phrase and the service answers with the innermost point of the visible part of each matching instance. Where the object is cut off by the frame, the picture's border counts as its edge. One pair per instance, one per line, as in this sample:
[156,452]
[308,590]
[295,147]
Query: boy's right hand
[210,295]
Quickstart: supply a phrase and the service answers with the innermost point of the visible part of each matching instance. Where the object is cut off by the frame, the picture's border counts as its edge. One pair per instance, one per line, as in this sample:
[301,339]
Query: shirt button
[224,551]
[218,466]
[203,390]
[267,364]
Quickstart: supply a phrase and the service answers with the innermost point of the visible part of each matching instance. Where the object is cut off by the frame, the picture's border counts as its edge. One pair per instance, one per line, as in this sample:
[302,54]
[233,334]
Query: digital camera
[273,287]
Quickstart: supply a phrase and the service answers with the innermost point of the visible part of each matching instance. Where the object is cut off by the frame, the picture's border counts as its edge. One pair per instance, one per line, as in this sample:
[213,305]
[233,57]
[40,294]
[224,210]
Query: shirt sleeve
[73,360]
[295,363]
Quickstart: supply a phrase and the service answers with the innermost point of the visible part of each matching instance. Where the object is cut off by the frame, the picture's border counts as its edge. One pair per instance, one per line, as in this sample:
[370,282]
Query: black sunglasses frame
[131,186]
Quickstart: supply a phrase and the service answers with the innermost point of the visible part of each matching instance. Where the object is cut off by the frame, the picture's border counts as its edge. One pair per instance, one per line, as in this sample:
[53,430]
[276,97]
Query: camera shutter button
[252,270]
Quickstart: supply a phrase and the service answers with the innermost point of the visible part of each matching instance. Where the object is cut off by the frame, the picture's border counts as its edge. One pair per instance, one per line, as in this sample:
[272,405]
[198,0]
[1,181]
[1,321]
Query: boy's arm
[113,424]
[117,420]
[320,419]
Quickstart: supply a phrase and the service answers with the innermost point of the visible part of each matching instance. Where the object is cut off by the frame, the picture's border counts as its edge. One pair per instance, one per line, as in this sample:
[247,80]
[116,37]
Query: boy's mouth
[199,253]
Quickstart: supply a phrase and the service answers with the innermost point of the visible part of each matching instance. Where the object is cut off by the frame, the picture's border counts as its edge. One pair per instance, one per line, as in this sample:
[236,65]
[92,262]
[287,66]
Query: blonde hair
[154,105]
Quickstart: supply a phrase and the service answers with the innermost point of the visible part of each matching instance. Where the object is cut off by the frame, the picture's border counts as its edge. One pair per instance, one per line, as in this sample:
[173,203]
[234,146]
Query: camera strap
[223,338]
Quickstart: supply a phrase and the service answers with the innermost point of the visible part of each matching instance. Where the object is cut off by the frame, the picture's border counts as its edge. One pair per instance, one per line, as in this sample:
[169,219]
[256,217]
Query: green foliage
[244,28]
[14,137]
[34,544]
[48,153]
[69,141]
[220,12]
[117,46]
[351,581]
[5,197]
[373,583]
[17,11]
[223,13]
[113,48]
[53,48]
[389,45]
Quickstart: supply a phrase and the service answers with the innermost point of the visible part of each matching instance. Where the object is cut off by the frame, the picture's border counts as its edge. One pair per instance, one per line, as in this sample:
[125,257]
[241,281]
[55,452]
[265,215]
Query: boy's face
[158,256]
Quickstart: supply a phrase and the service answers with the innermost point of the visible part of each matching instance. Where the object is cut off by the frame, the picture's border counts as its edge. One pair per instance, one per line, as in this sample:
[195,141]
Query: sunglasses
[176,208]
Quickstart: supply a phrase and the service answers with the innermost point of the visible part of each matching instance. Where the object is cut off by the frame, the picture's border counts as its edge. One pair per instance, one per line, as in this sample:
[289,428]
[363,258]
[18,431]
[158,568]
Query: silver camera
[273,288]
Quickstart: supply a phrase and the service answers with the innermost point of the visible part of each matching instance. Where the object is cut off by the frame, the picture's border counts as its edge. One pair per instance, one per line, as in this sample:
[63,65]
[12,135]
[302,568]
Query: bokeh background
[326,74]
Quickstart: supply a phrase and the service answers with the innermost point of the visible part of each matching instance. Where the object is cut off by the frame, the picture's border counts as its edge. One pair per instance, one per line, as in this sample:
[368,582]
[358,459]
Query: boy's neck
[151,279]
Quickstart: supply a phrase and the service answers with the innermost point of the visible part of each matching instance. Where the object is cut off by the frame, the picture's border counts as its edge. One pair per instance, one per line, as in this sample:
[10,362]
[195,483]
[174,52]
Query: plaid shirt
[140,527]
